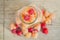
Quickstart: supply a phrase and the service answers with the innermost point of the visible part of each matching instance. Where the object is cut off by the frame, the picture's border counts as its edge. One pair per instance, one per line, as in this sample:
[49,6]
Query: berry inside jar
[29,15]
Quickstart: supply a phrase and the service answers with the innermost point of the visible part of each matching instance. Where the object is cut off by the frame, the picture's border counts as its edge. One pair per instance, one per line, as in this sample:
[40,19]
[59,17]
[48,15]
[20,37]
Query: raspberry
[19,32]
[31,11]
[43,25]
[45,31]
[30,29]
[26,17]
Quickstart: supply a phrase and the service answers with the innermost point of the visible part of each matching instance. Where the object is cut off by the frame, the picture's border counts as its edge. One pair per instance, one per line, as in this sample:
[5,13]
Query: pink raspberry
[26,17]
[13,31]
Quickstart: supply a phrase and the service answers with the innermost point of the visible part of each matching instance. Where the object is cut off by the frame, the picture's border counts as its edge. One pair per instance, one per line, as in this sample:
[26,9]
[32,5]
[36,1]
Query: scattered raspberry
[30,29]
[43,25]
[45,31]
[19,32]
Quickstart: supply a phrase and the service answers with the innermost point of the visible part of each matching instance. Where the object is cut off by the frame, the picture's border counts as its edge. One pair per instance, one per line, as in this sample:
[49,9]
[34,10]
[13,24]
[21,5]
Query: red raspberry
[30,29]
[43,25]
[31,11]
[19,32]
[45,31]
[26,17]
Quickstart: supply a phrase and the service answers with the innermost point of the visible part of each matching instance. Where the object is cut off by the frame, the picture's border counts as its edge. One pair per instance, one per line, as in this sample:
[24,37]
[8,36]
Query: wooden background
[8,10]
